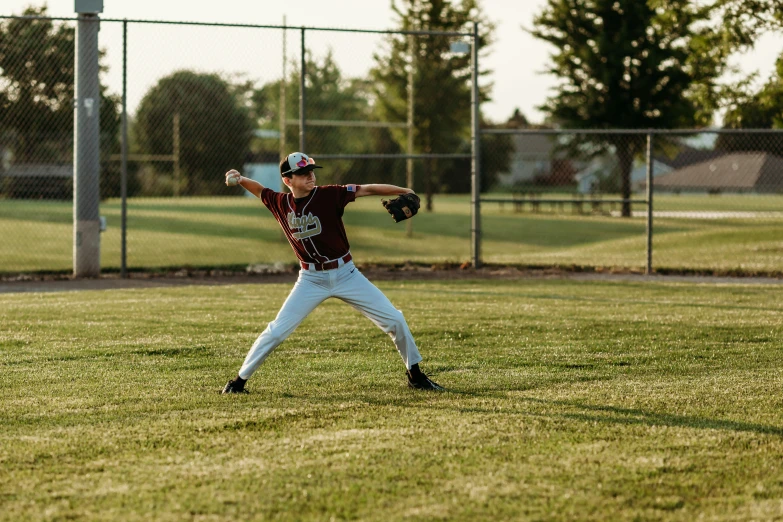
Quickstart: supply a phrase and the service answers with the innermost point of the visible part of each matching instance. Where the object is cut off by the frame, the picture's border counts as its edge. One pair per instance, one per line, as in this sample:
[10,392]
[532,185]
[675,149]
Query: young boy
[311,218]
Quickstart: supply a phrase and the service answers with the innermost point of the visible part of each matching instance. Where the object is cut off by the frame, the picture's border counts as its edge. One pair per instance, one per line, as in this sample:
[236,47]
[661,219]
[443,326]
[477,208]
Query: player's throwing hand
[232,178]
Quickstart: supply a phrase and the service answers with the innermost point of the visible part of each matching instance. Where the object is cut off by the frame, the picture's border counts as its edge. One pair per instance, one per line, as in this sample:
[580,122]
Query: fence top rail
[631,131]
[250,26]
[391,156]
[576,200]
[347,123]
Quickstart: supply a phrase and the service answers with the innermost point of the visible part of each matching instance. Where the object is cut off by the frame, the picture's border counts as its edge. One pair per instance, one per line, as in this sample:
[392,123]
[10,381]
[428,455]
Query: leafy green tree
[441,84]
[756,110]
[215,127]
[630,64]
[742,21]
[111,119]
[329,96]
[37,60]
[36,102]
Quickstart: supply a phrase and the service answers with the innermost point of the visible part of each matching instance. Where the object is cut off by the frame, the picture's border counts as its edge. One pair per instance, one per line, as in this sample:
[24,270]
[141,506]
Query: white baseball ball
[232,179]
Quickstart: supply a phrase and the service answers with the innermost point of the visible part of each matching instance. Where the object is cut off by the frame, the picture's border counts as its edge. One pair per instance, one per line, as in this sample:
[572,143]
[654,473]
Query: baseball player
[311,218]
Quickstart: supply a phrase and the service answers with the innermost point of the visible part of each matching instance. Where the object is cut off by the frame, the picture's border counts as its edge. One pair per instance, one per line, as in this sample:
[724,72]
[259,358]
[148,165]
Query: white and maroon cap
[297,163]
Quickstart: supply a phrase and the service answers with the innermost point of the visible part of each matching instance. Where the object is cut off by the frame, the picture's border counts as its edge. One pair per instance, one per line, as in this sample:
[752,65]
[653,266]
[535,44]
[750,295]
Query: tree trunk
[430,177]
[625,163]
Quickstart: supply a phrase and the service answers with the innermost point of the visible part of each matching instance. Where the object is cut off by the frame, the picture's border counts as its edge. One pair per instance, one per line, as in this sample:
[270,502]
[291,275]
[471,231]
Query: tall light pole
[86,143]
[475,144]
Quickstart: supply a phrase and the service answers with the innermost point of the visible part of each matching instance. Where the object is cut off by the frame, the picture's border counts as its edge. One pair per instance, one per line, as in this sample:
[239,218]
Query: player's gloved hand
[232,178]
[403,206]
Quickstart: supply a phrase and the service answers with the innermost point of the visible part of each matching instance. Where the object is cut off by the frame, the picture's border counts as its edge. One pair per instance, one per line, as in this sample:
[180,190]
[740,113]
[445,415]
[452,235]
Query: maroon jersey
[314,225]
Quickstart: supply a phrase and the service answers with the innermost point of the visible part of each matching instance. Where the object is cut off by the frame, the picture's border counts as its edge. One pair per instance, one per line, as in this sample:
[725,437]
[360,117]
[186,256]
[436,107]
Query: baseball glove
[403,206]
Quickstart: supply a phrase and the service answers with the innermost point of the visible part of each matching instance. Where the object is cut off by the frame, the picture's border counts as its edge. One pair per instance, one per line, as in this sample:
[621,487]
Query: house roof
[689,156]
[533,144]
[738,171]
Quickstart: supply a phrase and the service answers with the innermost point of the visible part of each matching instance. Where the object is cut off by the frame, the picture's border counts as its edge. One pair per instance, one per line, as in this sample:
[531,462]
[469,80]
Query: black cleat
[235,386]
[419,381]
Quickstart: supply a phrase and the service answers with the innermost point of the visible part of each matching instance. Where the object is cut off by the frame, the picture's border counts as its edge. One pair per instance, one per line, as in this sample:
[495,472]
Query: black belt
[329,265]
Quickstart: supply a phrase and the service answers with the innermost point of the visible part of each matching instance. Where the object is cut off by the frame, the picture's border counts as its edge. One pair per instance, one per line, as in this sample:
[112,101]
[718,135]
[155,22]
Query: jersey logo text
[308,225]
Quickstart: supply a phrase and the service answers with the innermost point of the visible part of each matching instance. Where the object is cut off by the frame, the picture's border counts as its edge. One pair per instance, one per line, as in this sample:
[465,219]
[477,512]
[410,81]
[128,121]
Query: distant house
[604,166]
[690,156]
[664,165]
[590,174]
[639,173]
[735,172]
[599,168]
[531,158]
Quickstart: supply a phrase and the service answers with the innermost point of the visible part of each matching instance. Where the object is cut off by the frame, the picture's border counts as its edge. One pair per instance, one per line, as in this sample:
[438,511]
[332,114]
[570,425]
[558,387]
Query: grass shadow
[586,413]
[636,416]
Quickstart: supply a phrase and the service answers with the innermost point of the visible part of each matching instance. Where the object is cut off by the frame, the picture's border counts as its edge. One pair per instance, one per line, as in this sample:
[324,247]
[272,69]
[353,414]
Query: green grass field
[569,400]
[213,232]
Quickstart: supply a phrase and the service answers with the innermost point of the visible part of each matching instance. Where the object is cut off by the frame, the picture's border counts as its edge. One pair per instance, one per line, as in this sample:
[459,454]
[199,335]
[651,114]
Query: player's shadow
[592,413]
[461,401]
[636,416]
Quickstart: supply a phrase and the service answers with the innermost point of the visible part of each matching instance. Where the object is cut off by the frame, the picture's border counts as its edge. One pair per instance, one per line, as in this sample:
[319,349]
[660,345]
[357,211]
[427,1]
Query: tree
[36,101]
[759,110]
[517,120]
[441,83]
[329,96]
[742,21]
[37,59]
[630,64]
[215,127]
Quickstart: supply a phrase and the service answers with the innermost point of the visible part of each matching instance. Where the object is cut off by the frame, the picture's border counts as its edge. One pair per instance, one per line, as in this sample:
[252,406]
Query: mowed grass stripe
[167,232]
[569,400]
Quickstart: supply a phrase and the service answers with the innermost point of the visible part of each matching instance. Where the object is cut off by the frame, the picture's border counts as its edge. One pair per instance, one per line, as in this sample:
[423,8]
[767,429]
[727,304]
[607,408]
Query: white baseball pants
[311,289]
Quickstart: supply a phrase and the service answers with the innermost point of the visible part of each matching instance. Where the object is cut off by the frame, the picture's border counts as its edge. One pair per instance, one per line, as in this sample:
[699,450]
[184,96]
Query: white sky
[516,59]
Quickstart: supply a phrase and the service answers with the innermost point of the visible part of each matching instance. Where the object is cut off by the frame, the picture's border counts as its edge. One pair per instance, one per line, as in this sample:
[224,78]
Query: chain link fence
[580,198]
[204,98]
[378,107]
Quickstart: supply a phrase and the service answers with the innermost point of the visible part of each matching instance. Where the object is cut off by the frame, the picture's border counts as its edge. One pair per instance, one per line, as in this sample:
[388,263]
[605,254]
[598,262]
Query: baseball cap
[297,163]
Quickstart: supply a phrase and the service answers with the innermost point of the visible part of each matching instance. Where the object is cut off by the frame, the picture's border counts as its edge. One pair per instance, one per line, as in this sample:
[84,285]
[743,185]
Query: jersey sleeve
[269,197]
[347,194]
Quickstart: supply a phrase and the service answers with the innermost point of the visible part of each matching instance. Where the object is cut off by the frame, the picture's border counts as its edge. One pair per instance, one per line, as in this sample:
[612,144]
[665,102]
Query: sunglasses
[302,163]
[305,162]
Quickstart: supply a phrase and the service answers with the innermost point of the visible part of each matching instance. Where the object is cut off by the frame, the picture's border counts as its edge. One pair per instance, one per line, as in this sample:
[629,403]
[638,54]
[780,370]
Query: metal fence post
[409,161]
[86,151]
[475,164]
[283,81]
[302,72]
[283,112]
[649,269]
[124,167]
